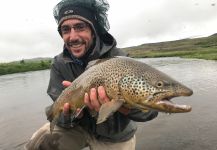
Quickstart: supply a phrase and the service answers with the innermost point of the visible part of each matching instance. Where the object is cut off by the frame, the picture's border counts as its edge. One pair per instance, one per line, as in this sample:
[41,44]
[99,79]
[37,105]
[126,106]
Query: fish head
[163,91]
[154,90]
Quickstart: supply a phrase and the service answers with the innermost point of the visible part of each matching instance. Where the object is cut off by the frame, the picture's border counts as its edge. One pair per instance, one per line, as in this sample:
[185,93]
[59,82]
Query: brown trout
[129,83]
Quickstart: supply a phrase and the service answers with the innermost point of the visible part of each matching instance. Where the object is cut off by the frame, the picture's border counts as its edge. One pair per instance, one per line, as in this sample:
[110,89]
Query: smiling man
[78,40]
[83,26]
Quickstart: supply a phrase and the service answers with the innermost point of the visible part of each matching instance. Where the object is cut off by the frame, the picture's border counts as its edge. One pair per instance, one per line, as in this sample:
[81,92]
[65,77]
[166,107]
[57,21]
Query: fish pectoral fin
[108,108]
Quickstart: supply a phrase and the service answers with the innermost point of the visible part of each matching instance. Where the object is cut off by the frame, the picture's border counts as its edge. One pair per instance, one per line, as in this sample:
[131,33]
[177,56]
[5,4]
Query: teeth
[75,46]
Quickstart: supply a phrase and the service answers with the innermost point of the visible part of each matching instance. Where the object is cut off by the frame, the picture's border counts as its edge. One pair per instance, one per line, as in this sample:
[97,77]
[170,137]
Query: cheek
[89,39]
[65,38]
[86,35]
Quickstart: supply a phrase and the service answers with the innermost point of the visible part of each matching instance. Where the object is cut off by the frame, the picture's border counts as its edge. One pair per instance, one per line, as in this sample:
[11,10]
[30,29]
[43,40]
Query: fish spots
[136,87]
[98,82]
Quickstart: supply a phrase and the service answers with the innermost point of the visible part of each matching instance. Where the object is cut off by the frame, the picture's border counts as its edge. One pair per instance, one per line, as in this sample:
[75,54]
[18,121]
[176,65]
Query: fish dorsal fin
[95,62]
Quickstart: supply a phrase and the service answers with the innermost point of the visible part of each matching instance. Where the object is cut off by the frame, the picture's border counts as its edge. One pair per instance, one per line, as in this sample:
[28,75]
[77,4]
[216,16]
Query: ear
[59,31]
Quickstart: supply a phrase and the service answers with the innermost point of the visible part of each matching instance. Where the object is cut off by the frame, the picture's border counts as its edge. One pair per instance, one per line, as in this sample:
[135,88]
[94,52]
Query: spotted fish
[129,83]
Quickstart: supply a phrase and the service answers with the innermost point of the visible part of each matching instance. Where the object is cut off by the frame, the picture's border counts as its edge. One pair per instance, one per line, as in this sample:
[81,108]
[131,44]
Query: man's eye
[77,27]
[80,27]
[65,29]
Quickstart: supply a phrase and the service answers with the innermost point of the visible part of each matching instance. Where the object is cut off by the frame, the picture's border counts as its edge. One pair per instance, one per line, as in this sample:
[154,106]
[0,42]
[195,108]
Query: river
[23,99]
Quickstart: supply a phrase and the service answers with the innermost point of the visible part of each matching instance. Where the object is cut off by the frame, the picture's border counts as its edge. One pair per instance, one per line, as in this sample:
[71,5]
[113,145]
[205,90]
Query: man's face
[77,36]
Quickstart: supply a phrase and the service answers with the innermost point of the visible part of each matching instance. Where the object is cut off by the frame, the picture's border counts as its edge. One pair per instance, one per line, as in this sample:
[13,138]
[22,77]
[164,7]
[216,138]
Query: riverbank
[24,66]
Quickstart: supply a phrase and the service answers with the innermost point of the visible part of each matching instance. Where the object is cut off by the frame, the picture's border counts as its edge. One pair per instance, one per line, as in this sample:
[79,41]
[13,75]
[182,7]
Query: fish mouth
[166,105]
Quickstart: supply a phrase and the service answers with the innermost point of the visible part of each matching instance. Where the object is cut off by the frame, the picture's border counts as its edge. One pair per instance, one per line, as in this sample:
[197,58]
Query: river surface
[23,99]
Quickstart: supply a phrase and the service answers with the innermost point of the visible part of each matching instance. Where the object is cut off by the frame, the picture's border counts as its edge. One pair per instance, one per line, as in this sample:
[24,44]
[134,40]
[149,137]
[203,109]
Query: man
[83,27]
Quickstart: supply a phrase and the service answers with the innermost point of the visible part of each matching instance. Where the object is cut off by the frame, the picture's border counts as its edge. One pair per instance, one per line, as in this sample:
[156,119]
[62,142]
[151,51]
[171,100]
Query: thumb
[66,83]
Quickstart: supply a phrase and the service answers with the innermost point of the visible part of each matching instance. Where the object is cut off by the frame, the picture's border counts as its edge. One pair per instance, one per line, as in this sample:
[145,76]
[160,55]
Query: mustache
[75,42]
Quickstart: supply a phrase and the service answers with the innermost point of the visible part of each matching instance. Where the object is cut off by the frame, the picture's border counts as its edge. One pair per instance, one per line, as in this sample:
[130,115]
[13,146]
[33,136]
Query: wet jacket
[118,127]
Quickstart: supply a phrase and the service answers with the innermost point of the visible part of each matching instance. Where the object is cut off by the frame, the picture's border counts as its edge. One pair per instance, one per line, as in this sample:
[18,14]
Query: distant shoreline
[24,66]
[207,54]
[33,65]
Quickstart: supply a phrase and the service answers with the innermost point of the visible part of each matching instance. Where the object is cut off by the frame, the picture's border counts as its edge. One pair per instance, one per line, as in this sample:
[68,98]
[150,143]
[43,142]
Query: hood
[104,43]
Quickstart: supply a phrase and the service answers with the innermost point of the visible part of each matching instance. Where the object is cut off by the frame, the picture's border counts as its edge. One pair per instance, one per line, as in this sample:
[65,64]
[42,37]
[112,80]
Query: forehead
[72,21]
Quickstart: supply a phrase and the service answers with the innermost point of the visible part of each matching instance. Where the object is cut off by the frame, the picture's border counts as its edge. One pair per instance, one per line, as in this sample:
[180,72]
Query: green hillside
[202,48]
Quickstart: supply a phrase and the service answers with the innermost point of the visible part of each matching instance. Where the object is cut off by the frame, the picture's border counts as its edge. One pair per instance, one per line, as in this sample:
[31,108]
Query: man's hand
[99,97]
[96,98]
[93,100]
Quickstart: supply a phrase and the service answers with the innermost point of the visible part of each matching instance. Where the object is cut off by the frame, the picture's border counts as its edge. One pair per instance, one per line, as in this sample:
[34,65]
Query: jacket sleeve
[139,116]
[55,86]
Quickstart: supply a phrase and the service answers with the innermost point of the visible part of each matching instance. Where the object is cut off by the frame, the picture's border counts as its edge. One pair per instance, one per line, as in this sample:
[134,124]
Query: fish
[129,83]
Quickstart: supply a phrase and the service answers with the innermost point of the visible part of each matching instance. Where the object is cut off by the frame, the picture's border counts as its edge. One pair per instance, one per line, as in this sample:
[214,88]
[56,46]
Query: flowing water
[23,99]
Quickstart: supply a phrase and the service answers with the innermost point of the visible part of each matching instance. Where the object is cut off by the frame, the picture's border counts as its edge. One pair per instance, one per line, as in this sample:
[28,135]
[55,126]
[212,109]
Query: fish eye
[159,84]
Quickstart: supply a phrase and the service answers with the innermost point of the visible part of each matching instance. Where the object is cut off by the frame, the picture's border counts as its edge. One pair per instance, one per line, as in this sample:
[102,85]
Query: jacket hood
[104,43]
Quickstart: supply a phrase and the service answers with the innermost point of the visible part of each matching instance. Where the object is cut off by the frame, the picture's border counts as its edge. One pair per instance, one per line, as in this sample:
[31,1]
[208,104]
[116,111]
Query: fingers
[66,109]
[66,83]
[103,98]
[87,101]
[96,98]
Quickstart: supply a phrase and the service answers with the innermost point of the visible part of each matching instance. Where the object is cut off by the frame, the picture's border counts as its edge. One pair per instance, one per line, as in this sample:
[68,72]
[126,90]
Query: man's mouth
[76,44]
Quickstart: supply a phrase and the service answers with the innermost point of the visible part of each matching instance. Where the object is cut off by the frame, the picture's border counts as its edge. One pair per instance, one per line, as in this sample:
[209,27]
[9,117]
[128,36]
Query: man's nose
[73,34]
